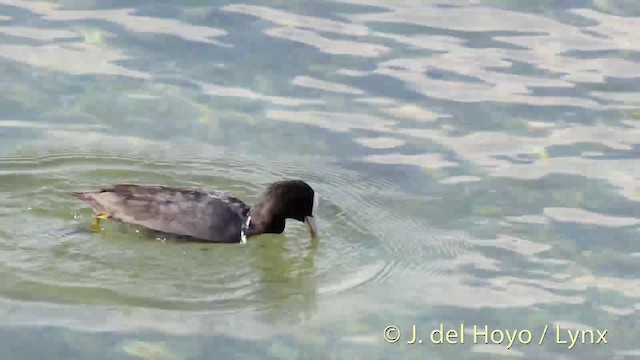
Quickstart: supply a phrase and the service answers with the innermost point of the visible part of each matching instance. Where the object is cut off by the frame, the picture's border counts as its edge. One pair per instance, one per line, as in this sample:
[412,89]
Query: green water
[477,164]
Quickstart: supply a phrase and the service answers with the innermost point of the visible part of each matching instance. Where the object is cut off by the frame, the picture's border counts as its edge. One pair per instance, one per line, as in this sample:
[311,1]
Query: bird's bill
[310,221]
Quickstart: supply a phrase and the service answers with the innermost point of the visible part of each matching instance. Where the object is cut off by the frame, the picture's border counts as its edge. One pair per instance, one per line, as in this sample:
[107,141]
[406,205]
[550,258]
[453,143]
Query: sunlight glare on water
[477,163]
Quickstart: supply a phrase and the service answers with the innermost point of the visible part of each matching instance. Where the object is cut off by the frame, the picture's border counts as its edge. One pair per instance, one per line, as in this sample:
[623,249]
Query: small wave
[368,235]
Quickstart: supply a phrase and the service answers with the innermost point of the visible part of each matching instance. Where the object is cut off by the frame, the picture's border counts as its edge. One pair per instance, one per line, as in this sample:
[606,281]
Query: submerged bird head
[289,199]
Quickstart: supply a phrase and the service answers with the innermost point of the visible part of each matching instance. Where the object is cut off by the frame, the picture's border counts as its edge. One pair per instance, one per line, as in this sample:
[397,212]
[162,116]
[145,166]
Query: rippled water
[477,161]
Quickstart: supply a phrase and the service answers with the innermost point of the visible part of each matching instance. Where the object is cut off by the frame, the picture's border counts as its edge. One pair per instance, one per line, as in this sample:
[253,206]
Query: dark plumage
[210,216]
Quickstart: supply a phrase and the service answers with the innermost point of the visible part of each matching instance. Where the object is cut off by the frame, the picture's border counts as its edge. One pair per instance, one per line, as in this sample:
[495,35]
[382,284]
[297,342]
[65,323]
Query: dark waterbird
[205,215]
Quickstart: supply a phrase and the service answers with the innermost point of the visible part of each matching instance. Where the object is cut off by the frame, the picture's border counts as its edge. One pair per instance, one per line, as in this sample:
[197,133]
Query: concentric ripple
[367,236]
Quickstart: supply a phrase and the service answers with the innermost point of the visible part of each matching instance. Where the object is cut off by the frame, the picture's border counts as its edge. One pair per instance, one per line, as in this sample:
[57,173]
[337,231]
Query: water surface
[477,163]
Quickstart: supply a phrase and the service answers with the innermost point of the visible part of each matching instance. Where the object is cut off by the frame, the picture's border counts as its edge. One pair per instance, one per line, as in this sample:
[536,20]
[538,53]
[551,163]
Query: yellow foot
[95,223]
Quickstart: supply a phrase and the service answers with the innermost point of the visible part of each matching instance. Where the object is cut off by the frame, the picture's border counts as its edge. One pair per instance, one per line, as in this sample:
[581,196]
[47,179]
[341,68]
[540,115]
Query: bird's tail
[79,195]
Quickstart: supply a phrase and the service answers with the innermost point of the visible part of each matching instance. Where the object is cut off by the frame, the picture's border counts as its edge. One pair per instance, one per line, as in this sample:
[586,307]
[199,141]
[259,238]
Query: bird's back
[213,216]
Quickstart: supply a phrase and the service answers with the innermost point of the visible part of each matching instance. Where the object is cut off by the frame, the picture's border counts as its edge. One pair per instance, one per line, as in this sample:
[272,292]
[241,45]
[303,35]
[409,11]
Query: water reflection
[287,285]
[478,160]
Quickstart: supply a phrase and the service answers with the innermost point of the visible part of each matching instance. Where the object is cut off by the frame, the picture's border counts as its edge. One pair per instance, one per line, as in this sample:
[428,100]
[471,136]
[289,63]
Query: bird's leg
[95,222]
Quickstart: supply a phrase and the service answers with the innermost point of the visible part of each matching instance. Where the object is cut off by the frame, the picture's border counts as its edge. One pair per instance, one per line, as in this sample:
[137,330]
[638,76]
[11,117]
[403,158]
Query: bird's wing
[171,210]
